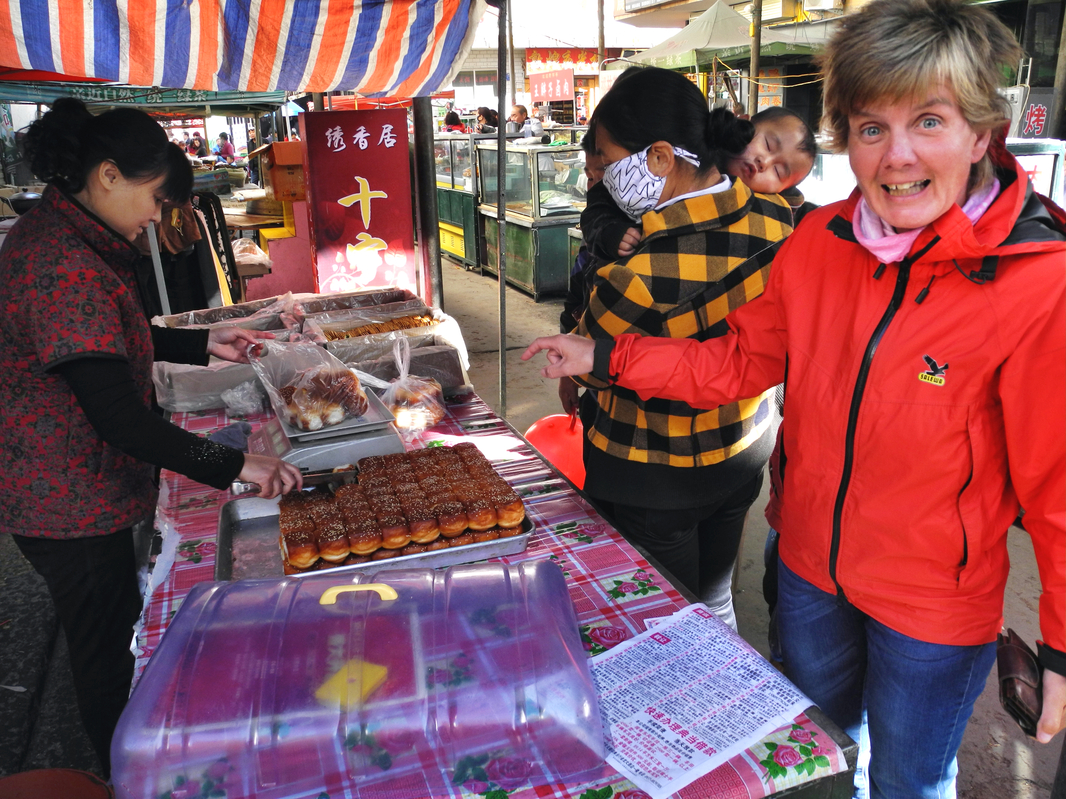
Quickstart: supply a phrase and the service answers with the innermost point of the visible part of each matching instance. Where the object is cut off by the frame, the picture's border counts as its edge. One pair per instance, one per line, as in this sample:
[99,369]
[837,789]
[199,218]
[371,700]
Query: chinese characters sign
[359,199]
[547,87]
[582,61]
[1035,122]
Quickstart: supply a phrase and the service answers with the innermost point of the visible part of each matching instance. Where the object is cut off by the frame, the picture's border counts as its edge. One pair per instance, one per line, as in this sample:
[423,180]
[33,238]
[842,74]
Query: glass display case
[457,195]
[545,194]
[452,154]
[540,182]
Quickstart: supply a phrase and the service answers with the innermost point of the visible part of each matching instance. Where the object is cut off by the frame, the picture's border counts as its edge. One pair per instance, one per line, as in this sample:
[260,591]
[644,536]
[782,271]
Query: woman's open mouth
[905,189]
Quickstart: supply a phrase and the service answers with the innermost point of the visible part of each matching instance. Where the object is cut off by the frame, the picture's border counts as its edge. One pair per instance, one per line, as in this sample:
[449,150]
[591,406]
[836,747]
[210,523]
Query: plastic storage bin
[405,680]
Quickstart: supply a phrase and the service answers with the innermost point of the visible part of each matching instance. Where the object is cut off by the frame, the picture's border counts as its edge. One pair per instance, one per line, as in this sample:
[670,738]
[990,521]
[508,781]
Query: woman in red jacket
[918,327]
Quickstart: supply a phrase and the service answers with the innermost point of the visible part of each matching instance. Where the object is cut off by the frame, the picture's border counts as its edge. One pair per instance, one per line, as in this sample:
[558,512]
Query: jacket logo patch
[935,373]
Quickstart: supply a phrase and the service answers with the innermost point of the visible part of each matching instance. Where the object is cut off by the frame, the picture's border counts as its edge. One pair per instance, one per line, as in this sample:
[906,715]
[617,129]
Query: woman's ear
[107,175]
[661,158]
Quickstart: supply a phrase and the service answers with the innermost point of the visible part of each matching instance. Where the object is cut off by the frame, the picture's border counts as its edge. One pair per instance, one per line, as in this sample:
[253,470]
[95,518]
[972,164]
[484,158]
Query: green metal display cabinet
[576,241]
[459,238]
[537,253]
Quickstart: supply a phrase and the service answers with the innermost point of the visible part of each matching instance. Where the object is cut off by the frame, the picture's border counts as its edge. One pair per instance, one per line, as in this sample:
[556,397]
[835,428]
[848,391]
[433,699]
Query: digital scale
[373,433]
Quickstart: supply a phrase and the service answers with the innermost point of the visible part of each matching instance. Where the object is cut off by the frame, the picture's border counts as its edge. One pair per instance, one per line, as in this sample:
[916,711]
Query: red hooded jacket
[925,402]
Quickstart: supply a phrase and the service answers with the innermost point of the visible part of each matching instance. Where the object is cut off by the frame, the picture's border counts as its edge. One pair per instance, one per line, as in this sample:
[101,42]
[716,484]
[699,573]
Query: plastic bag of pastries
[416,402]
[308,387]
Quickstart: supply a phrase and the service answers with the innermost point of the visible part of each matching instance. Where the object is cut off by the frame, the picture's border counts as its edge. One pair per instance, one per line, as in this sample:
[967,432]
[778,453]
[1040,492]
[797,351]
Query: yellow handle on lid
[385,592]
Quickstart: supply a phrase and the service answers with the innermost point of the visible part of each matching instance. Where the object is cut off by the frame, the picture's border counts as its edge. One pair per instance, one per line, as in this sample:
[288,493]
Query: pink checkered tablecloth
[594,558]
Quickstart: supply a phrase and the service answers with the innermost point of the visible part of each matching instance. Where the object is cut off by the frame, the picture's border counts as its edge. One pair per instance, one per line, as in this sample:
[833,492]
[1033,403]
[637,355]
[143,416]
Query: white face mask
[634,187]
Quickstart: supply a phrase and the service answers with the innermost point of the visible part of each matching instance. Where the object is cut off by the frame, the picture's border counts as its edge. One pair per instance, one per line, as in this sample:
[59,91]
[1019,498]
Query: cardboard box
[282,164]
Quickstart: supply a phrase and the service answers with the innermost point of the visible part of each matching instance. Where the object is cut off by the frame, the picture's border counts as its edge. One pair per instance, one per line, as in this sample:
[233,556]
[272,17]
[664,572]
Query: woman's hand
[232,343]
[629,242]
[568,390]
[567,355]
[272,475]
[1053,718]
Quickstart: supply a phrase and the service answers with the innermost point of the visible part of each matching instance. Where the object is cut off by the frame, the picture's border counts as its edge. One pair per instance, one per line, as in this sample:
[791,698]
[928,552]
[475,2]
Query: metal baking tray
[376,416]
[247,546]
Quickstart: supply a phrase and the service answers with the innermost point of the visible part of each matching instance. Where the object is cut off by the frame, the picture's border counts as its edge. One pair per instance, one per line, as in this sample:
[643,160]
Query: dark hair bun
[727,132]
[53,144]
[64,145]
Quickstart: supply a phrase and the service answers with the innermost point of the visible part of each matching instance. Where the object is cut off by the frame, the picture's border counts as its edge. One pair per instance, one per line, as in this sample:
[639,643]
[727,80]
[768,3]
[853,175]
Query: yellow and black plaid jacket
[700,258]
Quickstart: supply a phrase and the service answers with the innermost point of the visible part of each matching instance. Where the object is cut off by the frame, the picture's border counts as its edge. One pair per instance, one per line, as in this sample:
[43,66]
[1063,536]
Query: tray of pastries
[428,508]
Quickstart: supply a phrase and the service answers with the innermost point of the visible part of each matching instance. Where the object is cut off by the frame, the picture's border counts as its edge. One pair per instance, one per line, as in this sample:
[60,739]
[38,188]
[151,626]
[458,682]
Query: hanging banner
[359,199]
[377,48]
[548,87]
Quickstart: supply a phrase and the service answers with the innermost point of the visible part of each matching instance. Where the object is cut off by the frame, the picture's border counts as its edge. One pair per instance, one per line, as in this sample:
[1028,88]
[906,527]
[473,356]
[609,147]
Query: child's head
[781,154]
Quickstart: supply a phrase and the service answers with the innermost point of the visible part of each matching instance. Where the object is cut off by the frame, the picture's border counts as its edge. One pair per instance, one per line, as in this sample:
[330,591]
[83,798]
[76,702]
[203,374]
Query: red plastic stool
[559,438]
[54,783]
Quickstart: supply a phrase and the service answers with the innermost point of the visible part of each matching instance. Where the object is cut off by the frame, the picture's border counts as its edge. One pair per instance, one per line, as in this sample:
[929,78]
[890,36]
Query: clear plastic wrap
[308,387]
[247,252]
[365,348]
[245,400]
[416,402]
[437,362]
[181,387]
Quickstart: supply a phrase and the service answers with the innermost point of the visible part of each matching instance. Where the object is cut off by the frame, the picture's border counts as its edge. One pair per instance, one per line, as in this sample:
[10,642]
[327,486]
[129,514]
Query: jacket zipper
[902,277]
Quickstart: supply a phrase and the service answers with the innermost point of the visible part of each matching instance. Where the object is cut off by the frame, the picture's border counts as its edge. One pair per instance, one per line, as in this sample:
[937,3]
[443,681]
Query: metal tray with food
[247,545]
[377,416]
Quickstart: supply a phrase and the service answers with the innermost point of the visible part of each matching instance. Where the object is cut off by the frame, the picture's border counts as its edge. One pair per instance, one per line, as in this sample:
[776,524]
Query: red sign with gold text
[359,199]
[548,87]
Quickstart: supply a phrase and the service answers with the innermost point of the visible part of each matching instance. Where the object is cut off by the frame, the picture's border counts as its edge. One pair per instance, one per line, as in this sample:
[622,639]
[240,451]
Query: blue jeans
[905,701]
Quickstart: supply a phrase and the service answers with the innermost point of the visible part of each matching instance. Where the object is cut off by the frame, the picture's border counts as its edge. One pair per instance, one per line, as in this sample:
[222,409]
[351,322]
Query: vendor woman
[79,440]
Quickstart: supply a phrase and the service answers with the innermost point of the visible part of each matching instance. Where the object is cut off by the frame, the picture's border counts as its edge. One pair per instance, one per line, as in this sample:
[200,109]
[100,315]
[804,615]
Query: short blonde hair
[892,50]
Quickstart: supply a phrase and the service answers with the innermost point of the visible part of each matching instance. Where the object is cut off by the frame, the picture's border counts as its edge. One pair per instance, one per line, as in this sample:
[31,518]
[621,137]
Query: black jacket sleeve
[180,346]
[603,224]
[105,390]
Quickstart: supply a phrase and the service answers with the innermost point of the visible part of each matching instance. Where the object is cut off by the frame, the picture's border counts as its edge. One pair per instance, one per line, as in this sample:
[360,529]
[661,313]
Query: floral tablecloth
[612,587]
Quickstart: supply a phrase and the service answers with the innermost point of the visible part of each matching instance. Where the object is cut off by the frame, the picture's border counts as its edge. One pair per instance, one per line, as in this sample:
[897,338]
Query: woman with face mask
[678,480]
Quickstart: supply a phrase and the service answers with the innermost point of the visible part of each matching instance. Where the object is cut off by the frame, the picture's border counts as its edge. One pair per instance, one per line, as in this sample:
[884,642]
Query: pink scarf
[888,246]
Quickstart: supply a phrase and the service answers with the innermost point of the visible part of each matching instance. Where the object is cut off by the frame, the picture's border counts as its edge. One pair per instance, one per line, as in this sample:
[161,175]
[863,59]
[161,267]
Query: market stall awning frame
[145,98]
[375,47]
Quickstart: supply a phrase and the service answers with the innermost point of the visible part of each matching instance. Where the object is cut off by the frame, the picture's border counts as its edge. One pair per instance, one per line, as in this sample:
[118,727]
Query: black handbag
[1020,681]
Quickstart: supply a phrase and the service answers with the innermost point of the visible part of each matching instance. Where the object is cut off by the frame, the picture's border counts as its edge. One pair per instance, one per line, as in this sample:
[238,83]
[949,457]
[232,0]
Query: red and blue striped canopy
[403,48]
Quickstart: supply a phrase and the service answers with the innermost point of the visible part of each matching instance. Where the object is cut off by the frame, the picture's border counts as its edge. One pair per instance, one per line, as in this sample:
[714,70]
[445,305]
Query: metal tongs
[333,478]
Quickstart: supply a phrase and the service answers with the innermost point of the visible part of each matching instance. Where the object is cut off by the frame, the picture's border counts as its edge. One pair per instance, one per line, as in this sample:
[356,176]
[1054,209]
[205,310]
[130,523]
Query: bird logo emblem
[935,374]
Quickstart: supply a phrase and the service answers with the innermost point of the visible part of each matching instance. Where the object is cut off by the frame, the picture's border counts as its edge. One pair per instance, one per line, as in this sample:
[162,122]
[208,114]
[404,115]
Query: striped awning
[403,48]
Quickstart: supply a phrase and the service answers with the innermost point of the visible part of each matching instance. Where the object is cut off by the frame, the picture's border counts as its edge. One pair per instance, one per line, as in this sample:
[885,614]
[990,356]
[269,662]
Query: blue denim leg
[823,644]
[917,696]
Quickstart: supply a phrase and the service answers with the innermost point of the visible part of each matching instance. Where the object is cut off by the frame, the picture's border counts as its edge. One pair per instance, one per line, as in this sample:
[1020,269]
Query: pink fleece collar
[888,246]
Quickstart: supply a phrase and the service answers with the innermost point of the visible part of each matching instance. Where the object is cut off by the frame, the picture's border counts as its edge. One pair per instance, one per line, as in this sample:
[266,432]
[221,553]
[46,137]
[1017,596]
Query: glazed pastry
[462,540]
[481,536]
[480,514]
[440,543]
[394,531]
[451,518]
[384,554]
[364,535]
[299,548]
[333,542]
[413,549]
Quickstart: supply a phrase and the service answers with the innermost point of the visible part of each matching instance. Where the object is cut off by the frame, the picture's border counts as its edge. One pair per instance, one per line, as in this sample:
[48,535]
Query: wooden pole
[753,70]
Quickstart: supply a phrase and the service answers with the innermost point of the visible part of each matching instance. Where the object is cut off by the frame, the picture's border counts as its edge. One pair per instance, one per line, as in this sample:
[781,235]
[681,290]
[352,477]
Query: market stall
[546,189]
[217,543]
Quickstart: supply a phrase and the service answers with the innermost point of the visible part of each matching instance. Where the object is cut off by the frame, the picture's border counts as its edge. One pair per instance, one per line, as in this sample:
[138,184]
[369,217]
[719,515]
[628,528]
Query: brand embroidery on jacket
[935,373]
